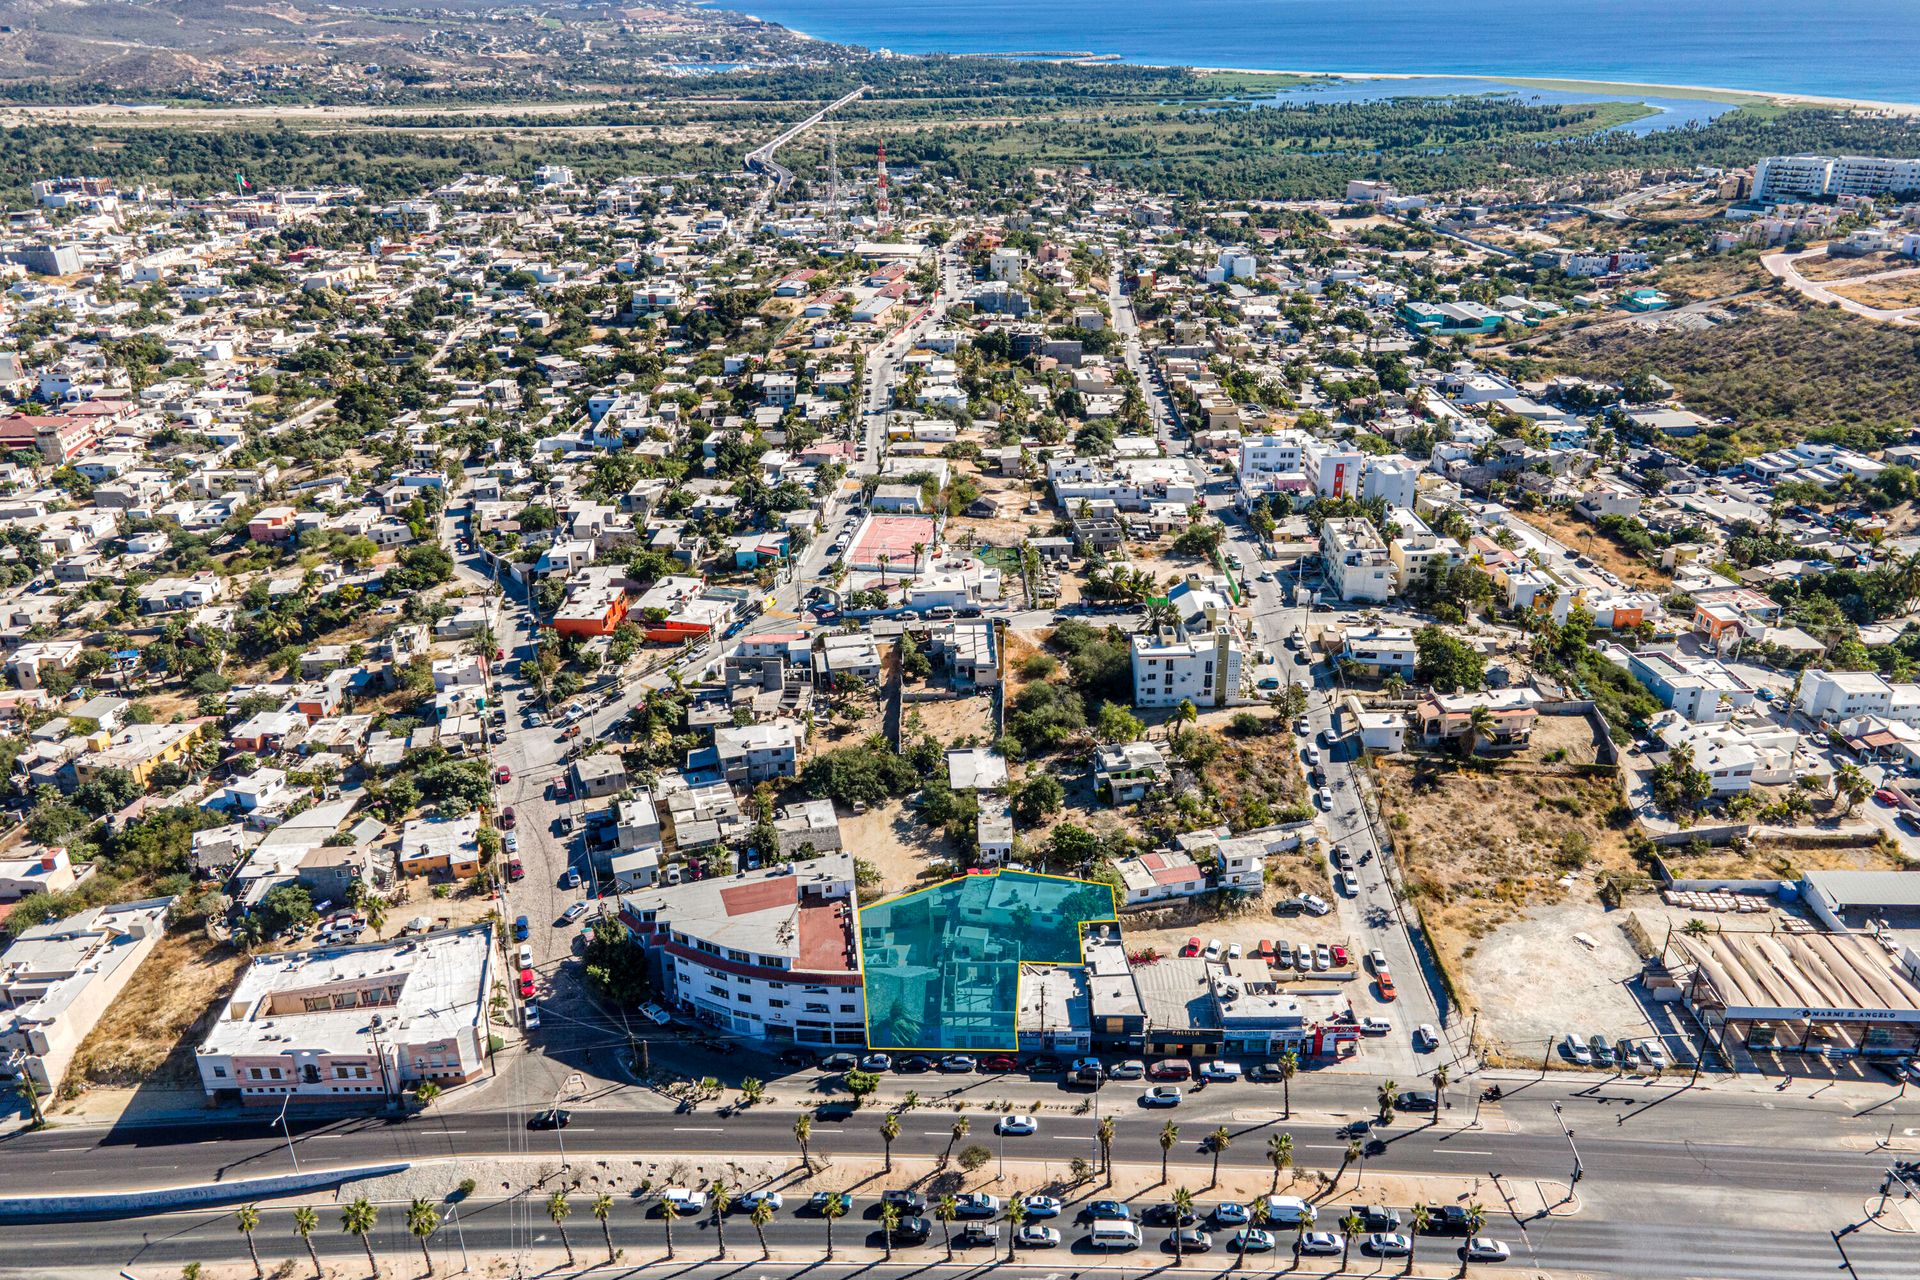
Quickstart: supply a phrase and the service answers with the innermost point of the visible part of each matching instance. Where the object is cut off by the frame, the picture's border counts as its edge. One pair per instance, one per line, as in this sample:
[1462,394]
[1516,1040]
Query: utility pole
[288,1130]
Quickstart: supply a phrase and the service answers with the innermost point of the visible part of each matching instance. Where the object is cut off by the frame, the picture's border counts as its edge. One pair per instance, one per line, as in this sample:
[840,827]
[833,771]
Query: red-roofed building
[1160,877]
[768,954]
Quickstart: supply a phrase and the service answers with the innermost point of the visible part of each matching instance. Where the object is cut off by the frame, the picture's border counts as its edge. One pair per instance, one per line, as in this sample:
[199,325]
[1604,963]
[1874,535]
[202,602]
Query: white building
[57,979]
[1197,659]
[768,954]
[1358,566]
[1833,696]
[1382,650]
[371,1020]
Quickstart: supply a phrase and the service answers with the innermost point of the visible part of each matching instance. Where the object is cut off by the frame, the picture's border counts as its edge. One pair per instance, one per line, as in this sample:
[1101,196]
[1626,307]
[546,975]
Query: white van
[1289,1211]
[1112,1233]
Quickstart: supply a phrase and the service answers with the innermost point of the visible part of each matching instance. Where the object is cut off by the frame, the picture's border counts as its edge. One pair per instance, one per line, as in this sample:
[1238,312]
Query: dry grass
[1477,849]
[1712,277]
[148,1034]
[1890,295]
[1825,269]
[1588,540]
[1255,777]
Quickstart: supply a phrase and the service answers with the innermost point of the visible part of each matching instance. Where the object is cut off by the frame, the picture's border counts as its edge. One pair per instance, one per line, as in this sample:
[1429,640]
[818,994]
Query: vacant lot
[1480,849]
[1550,970]
[1256,777]
[149,1033]
[906,851]
[1901,291]
[1825,268]
[1586,538]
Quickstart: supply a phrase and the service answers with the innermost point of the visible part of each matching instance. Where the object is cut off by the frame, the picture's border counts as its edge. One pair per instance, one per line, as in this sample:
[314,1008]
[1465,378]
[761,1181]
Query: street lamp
[281,1120]
[1579,1170]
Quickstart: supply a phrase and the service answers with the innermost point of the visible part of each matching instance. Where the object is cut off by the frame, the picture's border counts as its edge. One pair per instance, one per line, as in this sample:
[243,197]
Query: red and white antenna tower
[880,207]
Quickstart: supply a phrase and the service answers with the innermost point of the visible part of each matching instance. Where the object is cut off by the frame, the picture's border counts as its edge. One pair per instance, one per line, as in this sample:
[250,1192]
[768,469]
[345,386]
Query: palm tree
[889,1223]
[1422,1219]
[1169,1134]
[1185,714]
[960,1130]
[1016,1214]
[422,1222]
[669,1212]
[1476,1219]
[24,1086]
[947,1210]
[1256,1221]
[1389,1093]
[1480,726]
[305,1222]
[602,1211]
[559,1210]
[1349,1227]
[802,1131]
[247,1218]
[359,1218]
[1347,1157]
[1394,685]
[1217,1142]
[836,1208]
[425,1092]
[762,1214]
[1851,784]
[889,1130]
[752,1090]
[722,1198]
[1105,1134]
[1182,1206]
[1441,1079]
[1280,1154]
[1300,1237]
[1289,1067]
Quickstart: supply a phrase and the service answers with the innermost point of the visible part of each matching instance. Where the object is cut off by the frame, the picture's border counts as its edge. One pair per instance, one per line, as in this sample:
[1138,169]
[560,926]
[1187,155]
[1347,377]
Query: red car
[503,775]
[1170,1069]
[499,655]
[1339,955]
[526,983]
[515,871]
[507,819]
[1888,796]
[1192,948]
[998,1062]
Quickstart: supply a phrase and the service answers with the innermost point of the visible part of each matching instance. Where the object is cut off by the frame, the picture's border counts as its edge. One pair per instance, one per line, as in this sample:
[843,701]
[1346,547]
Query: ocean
[1864,49]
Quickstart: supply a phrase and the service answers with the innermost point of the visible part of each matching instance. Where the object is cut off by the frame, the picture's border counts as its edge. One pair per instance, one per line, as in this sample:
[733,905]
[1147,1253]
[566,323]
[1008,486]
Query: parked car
[1418,1100]
[573,913]
[1576,1050]
[521,930]
[503,775]
[508,820]
[1220,1072]
[1425,1038]
[1034,1235]
[839,1062]
[1131,1069]
[1602,1050]
[1251,1240]
[957,1063]
[1371,1026]
[516,870]
[1170,1069]
[530,1015]
[526,983]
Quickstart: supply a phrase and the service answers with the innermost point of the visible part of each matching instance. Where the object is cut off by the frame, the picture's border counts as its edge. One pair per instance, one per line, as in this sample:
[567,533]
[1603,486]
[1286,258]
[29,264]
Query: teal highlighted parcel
[941,965]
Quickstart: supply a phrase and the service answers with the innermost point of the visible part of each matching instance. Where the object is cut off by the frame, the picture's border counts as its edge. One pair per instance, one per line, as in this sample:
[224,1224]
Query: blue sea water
[1865,49]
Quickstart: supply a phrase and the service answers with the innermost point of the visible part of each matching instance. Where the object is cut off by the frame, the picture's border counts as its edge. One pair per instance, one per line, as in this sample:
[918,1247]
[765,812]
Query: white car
[1322,958]
[1035,1236]
[1161,1095]
[1214,949]
[1653,1054]
[684,1200]
[530,1015]
[1375,1026]
[1486,1249]
[1322,1244]
[1315,904]
[526,955]
[1387,1244]
[1017,1125]
[1038,1206]
[1221,1072]
[1576,1050]
[751,1200]
[1233,951]
[1425,1038]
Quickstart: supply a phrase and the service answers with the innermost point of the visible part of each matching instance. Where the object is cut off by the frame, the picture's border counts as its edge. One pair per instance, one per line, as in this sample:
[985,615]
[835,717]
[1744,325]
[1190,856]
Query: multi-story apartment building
[769,954]
[1777,178]
[355,1020]
[1198,658]
[1358,565]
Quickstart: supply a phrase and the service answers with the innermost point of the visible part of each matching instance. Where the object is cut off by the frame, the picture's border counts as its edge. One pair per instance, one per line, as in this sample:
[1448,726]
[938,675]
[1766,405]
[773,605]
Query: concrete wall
[120,1203]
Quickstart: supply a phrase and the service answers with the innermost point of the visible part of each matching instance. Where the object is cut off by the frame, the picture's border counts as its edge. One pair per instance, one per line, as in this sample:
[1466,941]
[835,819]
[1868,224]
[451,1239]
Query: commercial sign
[1773,1013]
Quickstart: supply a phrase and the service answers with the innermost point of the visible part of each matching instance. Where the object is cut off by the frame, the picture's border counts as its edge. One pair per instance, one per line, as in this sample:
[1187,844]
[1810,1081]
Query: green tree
[247,1219]
[359,1218]
[1289,1068]
[1280,1156]
[836,1209]
[603,1213]
[1182,1207]
[1349,1227]
[889,1223]
[722,1197]
[1217,1142]
[305,1223]
[889,1130]
[947,1210]
[1387,1095]
[422,1221]
[1169,1134]
[860,1083]
[1445,662]
[1016,1214]
[802,1133]
[1105,1135]
[558,1210]
[762,1214]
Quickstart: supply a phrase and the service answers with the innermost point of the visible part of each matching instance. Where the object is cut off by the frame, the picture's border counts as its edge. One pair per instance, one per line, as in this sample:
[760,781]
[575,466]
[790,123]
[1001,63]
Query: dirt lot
[1550,970]
[1901,291]
[148,1034]
[1587,539]
[1253,778]
[951,720]
[1825,268]
[1771,860]
[1012,524]
[899,845]
[1481,849]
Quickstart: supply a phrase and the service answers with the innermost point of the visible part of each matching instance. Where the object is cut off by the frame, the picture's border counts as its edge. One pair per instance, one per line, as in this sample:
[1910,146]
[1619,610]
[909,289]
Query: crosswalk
[1668,1251]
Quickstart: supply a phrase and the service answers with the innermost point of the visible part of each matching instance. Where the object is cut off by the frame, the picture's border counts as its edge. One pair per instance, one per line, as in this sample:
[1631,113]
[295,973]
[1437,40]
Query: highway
[760,159]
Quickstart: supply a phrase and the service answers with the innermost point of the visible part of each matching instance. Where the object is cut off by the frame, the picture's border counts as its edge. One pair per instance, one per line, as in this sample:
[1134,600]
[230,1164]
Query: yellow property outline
[859,942]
